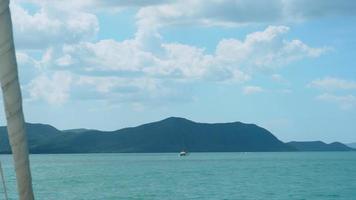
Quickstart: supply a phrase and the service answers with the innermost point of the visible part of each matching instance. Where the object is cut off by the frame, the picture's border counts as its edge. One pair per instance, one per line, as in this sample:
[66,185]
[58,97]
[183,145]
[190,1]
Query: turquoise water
[244,176]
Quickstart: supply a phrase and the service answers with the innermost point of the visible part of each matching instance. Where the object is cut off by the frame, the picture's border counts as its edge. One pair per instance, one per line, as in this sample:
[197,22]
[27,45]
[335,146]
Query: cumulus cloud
[53,89]
[51,25]
[72,21]
[145,65]
[331,83]
[75,19]
[265,49]
[233,59]
[58,87]
[107,55]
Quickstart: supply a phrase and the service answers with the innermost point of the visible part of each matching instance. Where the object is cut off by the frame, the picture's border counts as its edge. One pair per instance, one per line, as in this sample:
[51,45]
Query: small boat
[183,153]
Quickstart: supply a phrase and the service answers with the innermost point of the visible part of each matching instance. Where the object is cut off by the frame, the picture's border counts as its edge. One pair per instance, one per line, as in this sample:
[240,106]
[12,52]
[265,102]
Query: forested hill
[169,135]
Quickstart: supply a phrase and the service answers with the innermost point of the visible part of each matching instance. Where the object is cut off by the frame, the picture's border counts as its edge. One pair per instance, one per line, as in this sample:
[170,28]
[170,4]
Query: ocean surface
[245,176]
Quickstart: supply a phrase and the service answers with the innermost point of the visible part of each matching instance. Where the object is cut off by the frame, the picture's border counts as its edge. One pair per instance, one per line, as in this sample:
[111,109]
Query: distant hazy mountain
[169,135]
[352,145]
[320,146]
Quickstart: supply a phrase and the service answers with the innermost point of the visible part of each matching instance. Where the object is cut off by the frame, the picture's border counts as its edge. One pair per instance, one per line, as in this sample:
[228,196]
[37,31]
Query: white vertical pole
[13,104]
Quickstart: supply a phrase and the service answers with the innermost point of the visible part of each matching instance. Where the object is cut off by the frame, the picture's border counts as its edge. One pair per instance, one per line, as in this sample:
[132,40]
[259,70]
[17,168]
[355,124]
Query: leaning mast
[13,104]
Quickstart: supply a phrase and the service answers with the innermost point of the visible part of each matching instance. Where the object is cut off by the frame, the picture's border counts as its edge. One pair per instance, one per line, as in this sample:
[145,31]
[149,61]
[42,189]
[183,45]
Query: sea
[211,176]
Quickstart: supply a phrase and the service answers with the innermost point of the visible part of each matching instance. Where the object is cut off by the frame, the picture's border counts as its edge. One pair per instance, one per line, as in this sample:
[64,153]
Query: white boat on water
[183,153]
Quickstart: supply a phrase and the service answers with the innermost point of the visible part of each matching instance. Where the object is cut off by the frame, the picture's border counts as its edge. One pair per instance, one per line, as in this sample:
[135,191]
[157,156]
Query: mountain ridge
[352,145]
[168,135]
[319,146]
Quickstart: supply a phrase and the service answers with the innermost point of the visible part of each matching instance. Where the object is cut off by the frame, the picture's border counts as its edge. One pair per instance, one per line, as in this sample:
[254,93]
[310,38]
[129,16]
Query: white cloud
[330,83]
[125,85]
[108,55]
[96,4]
[345,102]
[53,89]
[136,91]
[337,85]
[239,12]
[51,25]
[233,59]
[146,65]
[265,49]
[70,21]
[248,90]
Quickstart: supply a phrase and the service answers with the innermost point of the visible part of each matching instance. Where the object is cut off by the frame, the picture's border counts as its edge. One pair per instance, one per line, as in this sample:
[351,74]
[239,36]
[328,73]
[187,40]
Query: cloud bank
[58,44]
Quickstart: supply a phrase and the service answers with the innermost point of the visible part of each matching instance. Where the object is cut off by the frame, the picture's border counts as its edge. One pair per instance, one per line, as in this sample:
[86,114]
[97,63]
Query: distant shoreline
[190,152]
[170,135]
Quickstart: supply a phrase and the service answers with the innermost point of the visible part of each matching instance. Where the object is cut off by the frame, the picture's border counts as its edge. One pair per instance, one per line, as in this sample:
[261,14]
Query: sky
[285,65]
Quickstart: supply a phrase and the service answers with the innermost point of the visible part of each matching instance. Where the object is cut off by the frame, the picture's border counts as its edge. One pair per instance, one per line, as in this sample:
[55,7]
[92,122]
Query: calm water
[199,176]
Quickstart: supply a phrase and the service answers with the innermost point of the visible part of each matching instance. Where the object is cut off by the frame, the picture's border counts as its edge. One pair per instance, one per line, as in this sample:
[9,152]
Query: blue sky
[285,65]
